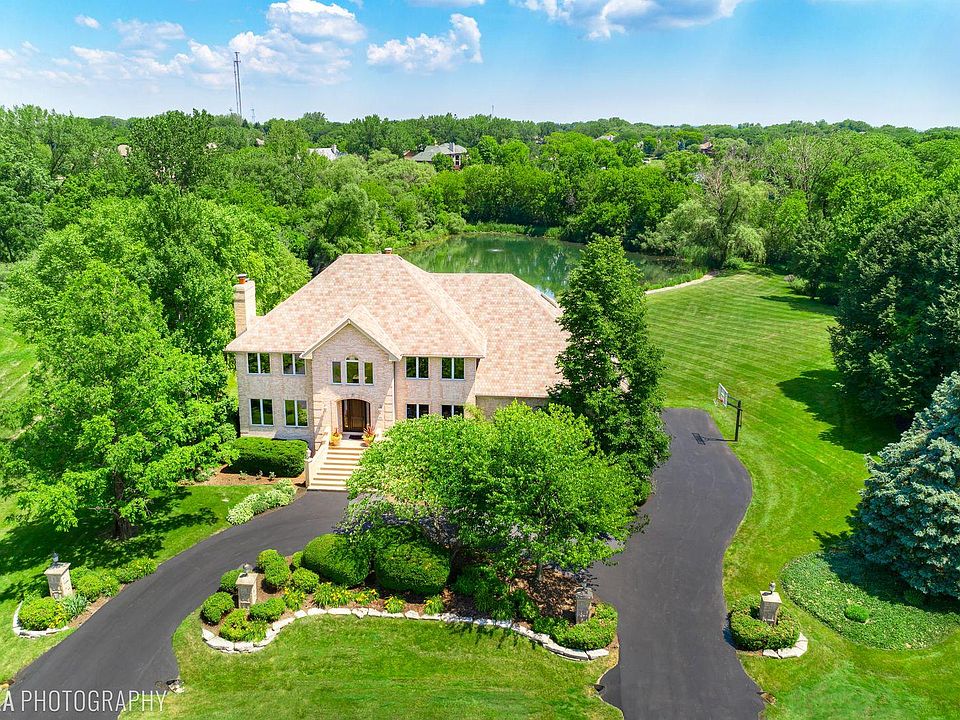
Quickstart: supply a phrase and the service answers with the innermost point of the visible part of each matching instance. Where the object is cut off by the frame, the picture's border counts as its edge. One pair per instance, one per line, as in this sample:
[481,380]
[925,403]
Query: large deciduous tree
[610,367]
[171,149]
[115,413]
[898,327]
[909,517]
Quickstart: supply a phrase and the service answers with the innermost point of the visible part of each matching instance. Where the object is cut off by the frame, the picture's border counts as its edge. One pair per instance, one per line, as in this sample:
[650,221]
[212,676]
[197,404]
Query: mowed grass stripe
[16,360]
[803,444]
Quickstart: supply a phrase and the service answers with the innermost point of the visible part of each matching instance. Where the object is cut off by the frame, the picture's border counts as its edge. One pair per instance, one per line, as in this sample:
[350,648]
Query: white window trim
[259,364]
[361,371]
[297,361]
[453,369]
[262,413]
[296,413]
[418,376]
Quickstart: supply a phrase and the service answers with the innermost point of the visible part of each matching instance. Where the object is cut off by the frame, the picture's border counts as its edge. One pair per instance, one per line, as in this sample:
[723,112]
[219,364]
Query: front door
[355,415]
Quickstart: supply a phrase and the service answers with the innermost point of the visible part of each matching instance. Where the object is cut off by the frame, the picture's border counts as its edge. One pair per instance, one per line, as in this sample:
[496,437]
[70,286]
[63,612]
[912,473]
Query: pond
[543,262]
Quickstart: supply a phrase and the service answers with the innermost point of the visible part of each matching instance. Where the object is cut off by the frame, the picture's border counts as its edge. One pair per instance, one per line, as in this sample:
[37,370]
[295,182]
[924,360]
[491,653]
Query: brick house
[373,339]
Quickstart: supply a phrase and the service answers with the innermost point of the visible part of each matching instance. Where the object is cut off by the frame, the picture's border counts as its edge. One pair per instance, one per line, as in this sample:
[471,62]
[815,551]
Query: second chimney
[244,303]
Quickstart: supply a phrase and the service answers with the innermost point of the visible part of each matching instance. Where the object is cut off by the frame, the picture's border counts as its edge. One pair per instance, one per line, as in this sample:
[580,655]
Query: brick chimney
[244,303]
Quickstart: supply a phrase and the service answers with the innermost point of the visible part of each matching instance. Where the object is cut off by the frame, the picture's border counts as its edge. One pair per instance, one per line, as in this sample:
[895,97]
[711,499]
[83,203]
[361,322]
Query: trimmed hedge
[295,560]
[135,569]
[95,584]
[228,581]
[472,577]
[268,610]
[266,556]
[216,606]
[276,573]
[751,633]
[857,613]
[595,633]
[263,456]
[333,557]
[417,566]
[42,613]
[304,580]
[237,627]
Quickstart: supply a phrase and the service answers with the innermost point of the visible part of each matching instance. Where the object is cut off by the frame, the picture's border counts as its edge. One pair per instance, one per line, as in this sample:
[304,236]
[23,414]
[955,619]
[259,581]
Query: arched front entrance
[355,415]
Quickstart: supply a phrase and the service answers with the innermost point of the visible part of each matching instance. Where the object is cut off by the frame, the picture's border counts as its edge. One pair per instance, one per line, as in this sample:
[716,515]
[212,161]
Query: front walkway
[674,660]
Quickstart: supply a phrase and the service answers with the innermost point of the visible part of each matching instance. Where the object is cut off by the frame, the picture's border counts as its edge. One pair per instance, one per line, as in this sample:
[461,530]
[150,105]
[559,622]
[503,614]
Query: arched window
[353,371]
[348,372]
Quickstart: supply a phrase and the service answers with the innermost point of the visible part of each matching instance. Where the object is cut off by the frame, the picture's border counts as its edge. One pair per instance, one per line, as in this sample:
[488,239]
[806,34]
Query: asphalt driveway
[126,645]
[674,660]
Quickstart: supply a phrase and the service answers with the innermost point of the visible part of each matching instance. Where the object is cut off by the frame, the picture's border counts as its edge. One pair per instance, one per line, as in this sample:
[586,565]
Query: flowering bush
[279,495]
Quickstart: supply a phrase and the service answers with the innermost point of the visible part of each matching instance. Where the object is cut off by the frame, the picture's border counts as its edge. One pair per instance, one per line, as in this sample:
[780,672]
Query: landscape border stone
[225,646]
[796,651]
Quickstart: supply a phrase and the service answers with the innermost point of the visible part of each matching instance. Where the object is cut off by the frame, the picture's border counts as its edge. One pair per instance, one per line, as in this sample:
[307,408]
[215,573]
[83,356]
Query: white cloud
[602,19]
[427,53]
[87,22]
[148,35]
[29,48]
[6,56]
[280,54]
[447,3]
[314,19]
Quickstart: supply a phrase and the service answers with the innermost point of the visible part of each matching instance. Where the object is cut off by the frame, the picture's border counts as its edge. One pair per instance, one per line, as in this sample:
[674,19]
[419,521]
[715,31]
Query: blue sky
[661,61]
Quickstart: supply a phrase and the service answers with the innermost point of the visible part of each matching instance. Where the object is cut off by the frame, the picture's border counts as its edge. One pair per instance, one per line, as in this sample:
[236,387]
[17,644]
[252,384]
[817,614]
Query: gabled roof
[399,306]
[428,153]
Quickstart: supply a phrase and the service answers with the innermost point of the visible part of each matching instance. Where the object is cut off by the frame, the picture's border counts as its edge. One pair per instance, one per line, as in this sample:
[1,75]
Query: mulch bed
[221,477]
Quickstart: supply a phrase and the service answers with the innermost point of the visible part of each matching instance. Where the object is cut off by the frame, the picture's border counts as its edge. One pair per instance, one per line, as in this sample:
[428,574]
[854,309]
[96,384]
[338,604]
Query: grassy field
[185,518]
[348,669]
[803,445]
[16,359]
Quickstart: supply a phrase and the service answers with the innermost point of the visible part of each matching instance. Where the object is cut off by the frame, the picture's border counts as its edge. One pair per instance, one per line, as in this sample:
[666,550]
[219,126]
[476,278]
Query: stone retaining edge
[19,631]
[225,646]
[791,652]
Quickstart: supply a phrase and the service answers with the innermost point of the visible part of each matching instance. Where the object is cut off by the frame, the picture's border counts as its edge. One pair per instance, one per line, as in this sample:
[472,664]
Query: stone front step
[337,467]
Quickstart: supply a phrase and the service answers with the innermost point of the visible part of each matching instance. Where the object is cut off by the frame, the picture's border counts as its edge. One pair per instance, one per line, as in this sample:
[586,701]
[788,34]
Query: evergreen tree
[909,517]
[610,367]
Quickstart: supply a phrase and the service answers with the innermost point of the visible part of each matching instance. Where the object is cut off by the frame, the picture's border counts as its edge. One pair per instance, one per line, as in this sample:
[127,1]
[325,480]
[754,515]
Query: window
[296,413]
[451,368]
[258,363]
[261,412]
[417,411]
[368,373]
[336,375]
[418,367]
[451,410]
[353,371]
[293,365]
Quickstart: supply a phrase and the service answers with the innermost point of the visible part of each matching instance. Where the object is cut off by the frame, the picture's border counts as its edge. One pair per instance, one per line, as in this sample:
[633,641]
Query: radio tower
[236,83]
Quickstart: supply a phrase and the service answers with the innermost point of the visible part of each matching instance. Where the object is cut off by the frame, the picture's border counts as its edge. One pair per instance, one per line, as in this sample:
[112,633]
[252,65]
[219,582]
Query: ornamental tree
[909,517]
[610,368]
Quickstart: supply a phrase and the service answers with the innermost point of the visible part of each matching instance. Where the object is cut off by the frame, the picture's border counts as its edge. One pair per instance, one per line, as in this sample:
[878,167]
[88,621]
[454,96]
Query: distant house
[330,153]
[705,148]
[259,142]
[409,154]
[608,137]
[455,152]
[124,150]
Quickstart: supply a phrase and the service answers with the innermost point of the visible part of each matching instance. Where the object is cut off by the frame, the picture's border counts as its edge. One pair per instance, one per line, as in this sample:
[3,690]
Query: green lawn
[345,668]
[16,359]
[803,446]
[183,519]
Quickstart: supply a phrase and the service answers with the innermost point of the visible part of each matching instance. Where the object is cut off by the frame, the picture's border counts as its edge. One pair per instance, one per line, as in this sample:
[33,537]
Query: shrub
[590,635]
[276,574]
[268,610]
[471,577]
[526,608]
[492,598]
[262,456]
[914,597]
[295,560]
[74,605]
[42,613]
[279,495]
[293,598]
[547,625]
[393,604]
[751,633]
[237,627]
[135,569]
[305,580]
[419,567]
[434,605]
[228,581]
[216,606]
[857,613]
[335,558]
[94,584]
[365,596]
[330,595]
[265,556]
